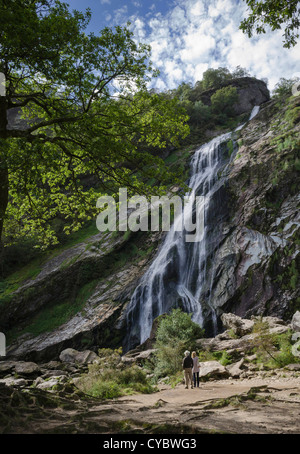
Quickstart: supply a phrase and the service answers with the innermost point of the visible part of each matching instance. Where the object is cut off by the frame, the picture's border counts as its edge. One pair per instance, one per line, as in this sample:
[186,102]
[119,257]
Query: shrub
[176,332]
[273,350]
[104,389]
[108,381]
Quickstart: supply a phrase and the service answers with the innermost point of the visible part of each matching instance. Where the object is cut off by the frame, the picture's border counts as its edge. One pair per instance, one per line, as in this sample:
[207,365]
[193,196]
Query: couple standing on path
[191,369]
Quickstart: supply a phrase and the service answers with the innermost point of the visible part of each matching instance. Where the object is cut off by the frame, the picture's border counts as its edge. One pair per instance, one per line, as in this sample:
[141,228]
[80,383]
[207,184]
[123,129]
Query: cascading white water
[177,274]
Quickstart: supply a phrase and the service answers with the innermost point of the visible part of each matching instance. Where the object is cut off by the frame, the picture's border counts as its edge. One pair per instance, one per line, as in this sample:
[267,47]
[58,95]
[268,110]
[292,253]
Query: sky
[189,36]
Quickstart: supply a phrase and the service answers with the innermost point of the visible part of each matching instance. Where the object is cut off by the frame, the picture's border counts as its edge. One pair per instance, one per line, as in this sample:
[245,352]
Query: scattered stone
[54,373]
[6,367]
[11,381]
[293,367]
[251,358]
[70,355]
[47,384]
[279,329]
[52,365]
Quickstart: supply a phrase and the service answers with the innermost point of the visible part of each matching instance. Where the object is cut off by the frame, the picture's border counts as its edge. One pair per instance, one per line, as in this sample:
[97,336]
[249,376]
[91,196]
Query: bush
[175,333]
[104,390]
[109,378]
[273,350]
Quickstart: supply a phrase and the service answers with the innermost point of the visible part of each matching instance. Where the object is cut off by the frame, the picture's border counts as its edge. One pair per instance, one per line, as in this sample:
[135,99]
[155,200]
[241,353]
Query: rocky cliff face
[254,260]
[255,268]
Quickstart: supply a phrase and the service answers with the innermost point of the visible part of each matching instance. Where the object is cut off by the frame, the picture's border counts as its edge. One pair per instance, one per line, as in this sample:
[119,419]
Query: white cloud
[103,2]
[197,34]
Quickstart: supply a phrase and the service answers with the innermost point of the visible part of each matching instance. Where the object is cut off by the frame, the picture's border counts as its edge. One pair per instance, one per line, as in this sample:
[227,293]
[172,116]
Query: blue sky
[189,36]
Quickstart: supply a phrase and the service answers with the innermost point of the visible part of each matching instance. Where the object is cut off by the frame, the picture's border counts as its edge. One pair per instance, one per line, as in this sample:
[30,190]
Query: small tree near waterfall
[176,332]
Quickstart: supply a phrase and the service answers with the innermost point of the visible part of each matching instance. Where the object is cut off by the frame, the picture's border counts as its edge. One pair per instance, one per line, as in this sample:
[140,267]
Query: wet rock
[70,355]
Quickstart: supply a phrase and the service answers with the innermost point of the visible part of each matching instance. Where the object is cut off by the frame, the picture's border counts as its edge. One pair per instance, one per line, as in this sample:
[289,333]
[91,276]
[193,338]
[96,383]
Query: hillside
[76,296]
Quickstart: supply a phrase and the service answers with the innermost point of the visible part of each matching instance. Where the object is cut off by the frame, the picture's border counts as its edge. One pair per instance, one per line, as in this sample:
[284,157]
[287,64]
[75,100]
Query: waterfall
[176,277]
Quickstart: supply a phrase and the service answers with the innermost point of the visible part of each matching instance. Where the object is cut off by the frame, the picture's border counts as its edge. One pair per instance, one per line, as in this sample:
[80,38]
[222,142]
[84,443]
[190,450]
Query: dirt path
[255,406]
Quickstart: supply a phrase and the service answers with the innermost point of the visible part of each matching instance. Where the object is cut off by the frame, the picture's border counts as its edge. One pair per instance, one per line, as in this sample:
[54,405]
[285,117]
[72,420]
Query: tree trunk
[3,173]
[3,205]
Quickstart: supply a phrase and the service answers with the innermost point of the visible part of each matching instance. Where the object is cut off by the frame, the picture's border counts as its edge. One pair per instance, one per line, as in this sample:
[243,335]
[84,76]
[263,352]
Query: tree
[223,100]
[83,109]
[240,72]
[275,14]
[176,332]
[214,78]
[283,89]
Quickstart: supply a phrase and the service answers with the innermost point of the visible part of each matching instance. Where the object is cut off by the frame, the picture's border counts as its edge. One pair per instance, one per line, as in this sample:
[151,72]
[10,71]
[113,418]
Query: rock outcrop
[252,92]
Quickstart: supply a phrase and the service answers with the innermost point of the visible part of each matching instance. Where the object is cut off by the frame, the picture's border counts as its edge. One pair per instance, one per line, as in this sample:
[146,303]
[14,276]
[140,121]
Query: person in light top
[196,369]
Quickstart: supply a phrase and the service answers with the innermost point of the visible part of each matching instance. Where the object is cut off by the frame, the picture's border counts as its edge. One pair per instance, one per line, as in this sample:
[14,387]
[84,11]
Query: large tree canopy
[83,110]
[276,14]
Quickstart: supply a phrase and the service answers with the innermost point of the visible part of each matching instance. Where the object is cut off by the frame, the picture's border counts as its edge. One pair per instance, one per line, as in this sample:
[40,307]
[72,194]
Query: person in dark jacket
[187,365]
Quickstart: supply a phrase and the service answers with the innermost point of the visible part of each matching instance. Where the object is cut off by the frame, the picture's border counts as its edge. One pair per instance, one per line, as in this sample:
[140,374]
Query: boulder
[235,369]
[212,369]
[26,368]
[215,344]
[6,367]
[239,326]
[70,355]
[295,323]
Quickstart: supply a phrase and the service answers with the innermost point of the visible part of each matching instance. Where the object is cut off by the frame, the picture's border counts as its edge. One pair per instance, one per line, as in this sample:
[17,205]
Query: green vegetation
[110,378]
[209,103]
[272,350]
[222,102]
[76,125]
[275,15]
[283,88]
[176,332]
[53,316]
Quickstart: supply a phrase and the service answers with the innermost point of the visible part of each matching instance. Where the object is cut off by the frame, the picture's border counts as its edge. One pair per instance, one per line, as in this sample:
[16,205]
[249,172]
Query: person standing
[187,366]
[196,369]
